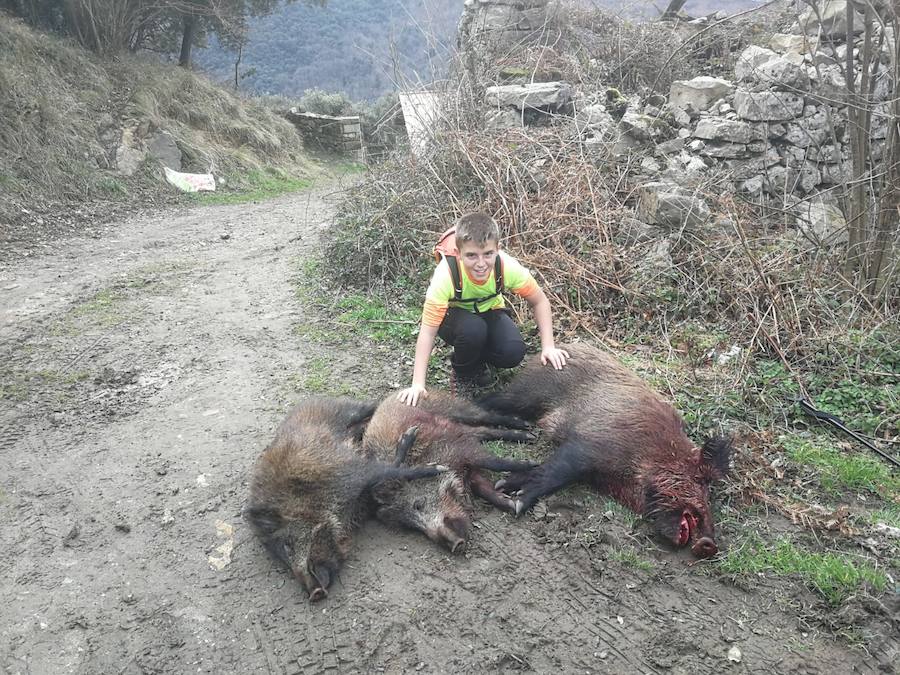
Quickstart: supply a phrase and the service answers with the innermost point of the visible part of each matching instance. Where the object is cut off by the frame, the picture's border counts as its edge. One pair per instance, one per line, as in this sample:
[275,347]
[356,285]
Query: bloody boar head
[676,498]
[436,507]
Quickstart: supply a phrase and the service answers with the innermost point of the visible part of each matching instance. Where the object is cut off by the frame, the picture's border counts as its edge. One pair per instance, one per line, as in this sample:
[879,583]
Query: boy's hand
[411,395]
[555,357]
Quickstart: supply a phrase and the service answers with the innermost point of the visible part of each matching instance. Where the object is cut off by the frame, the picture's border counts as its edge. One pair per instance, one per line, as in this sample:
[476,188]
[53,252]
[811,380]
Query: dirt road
[142,373]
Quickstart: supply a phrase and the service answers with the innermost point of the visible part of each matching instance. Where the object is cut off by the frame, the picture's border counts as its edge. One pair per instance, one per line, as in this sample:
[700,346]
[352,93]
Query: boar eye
[419,504]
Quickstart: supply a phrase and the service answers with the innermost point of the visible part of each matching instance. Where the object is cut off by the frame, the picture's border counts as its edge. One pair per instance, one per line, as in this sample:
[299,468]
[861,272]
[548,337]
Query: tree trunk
[187,40]
[673,8]
[237,65]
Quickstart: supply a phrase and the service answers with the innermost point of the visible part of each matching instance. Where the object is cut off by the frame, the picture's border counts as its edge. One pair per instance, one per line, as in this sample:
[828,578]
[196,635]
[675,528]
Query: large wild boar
[311,488]
[614,432]
[449,432]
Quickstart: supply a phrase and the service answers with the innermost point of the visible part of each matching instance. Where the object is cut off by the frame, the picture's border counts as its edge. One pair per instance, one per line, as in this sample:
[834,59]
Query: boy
[478,327]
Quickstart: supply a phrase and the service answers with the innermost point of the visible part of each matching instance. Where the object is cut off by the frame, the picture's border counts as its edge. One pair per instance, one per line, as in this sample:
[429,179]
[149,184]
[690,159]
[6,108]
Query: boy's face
[478,259]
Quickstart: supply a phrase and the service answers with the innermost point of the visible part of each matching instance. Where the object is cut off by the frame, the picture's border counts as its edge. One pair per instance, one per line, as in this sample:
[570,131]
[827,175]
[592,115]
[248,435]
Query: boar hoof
[317,594]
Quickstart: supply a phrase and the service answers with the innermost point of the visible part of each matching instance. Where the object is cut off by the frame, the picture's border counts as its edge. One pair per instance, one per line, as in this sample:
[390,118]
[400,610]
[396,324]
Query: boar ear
[715,458]
[384,491]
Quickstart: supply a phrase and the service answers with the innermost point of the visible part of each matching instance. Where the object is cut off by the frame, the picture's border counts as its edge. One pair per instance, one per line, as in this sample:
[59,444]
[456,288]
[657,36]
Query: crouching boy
[468,311]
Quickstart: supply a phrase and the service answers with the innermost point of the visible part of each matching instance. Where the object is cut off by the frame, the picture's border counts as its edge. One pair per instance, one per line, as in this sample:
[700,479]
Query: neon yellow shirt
[439,296]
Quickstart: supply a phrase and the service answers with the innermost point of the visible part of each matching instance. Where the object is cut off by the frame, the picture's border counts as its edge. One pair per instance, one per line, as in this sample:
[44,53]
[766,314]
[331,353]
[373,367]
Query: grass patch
[838,470]
[889,515]
[256,185]
[835,577]
[19,386]
[371,317]
[316,379]
[631,559]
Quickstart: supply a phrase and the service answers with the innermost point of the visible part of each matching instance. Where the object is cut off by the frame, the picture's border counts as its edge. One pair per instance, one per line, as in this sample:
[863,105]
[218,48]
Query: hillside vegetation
[363,48]
[66,111]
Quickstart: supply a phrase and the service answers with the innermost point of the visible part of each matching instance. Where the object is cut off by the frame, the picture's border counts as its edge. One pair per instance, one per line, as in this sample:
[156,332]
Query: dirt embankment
[142,373]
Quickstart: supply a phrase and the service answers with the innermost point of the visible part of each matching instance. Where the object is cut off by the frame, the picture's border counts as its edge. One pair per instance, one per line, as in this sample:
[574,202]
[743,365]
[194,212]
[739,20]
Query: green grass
[316,378]
[369,316]
[18,386]
[889,515]
[255,186]
[631,559]
[834,576]
[838,470]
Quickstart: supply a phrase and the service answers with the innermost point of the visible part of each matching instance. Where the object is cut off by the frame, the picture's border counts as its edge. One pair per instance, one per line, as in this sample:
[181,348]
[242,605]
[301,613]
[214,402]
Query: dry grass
[60,103]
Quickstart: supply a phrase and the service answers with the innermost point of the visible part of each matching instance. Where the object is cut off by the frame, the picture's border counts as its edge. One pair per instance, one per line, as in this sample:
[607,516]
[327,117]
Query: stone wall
[340,135]
[506,22]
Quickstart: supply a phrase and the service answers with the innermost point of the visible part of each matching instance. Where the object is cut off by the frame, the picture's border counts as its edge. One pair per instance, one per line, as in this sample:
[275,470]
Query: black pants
[490,337]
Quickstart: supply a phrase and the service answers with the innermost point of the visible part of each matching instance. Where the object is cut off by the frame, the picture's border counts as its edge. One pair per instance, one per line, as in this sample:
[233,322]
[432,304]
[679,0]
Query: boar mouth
[686,529]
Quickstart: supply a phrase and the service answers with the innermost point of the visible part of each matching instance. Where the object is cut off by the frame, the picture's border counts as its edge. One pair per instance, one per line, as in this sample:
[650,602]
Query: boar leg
[567,466]
[407,439]
[329,547]
[494,463]
[487,418]
[358,416]
[483,488]
[493,434]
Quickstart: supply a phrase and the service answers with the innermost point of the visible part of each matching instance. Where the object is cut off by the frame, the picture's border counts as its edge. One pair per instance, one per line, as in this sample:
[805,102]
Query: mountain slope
[363,48]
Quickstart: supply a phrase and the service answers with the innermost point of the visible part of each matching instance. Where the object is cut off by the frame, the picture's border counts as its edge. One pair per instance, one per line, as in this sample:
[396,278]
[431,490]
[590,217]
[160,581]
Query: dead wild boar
[310,488]
[449,432]
[614,432]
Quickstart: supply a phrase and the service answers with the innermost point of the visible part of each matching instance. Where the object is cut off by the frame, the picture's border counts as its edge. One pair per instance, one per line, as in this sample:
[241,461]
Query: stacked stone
[341,135]
[781,128]
[505,22]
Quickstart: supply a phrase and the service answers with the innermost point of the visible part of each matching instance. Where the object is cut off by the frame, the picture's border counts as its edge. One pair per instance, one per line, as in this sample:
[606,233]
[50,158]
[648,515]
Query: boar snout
[704,548]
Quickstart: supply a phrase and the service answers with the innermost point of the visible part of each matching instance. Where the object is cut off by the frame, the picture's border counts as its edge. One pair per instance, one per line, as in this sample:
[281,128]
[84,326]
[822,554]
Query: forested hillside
[363,48]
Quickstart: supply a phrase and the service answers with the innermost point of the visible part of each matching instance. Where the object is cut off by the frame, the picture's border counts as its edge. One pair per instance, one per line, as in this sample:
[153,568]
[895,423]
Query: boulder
[699,93]
[761,69]
[551,95]
[130,153]
[593,117]
[724,150]
[163,148]
[749,60]
[821,222]
[671,206]
[803,136]
[829,17]
[786,42]
[503,119]
[643,127]
[767,106]
[718,129]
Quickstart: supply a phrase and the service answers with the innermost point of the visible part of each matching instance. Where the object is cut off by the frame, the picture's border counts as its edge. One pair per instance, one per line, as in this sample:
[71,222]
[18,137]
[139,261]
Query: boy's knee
[473,332]
[509,354]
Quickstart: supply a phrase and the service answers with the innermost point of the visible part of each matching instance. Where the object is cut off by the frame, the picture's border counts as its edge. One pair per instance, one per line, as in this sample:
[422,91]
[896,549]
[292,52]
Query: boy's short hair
[477,227]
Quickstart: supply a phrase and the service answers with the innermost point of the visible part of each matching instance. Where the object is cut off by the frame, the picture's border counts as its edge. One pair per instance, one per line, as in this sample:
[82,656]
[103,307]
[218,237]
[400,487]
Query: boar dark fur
[614,432]
[449,432]
[310,488]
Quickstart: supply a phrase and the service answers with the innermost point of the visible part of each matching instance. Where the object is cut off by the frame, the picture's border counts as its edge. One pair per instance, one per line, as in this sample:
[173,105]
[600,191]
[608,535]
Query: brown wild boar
[449,432]
[614,432]
[310,488]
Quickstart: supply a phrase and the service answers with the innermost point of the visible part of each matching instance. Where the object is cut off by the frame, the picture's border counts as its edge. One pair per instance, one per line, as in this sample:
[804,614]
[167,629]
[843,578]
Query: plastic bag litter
[190,182]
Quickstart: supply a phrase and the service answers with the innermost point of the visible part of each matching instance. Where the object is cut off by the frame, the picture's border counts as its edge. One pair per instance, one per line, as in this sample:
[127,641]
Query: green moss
[833,576]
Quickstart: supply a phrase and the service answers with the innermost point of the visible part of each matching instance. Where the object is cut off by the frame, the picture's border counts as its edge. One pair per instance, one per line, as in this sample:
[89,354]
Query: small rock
[734,654]
[224,236]
[123,527]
